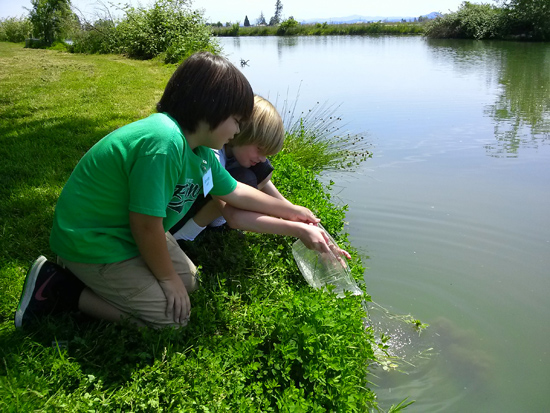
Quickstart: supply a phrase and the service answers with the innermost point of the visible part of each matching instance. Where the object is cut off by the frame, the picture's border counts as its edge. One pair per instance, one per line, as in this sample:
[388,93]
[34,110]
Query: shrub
[472,21]
[35,44]
[15,30]
[287,27]
[99,37]
[234,29]
[169,27]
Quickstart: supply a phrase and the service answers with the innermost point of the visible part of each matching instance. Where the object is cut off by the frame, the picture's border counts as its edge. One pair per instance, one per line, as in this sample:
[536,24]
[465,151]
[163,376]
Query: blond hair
[264,128]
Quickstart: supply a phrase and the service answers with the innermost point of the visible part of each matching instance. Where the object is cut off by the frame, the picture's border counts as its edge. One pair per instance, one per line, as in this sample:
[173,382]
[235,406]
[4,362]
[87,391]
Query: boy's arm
[267,187]
[311,235]
[150,238]
[250,199]
[208,213]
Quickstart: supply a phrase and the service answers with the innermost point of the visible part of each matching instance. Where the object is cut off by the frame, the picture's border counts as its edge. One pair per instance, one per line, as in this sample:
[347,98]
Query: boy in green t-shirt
[112,217]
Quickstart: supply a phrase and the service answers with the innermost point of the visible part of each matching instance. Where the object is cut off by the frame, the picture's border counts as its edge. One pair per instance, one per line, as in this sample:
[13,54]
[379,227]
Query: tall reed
[318,139]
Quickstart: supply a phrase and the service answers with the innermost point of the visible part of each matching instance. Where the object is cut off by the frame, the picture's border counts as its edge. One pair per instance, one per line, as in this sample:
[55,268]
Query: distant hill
[365,19]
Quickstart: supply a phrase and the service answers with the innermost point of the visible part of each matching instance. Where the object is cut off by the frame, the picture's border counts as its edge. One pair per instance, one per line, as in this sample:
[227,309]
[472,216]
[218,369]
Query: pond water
[452,211]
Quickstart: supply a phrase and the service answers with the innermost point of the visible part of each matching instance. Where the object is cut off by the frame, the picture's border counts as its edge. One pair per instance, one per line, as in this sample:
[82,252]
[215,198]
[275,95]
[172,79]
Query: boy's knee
[151,308]
[166,322]
[192,283]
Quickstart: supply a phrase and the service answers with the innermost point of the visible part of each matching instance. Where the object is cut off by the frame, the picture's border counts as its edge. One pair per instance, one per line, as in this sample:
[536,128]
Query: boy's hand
[335,257]
[150,238]
[303,214]
[337,251]
[314,238]
[178,304]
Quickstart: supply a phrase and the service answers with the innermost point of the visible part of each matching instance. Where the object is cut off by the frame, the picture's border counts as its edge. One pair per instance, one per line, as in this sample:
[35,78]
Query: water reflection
[236,42]
[521,112]
[285,42]
[465,55]
[452,233]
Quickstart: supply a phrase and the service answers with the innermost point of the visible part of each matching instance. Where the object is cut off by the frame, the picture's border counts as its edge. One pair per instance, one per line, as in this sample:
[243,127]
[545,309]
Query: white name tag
[207,183]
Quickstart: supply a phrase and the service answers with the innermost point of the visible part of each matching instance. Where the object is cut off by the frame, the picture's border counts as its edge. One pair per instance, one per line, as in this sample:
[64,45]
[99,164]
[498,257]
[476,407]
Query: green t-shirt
[145,167]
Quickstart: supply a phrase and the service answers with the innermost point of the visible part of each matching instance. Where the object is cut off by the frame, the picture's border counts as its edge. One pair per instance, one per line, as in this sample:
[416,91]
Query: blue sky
[236,10]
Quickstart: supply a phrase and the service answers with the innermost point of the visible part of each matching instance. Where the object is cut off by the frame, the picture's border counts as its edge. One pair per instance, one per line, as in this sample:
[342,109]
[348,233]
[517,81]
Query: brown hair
[264,128]
[206,87]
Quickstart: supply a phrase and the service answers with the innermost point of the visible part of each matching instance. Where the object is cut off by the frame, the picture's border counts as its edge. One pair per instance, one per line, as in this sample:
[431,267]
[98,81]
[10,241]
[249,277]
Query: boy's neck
[228,151]
[192,139]
[197,137]
[202,136]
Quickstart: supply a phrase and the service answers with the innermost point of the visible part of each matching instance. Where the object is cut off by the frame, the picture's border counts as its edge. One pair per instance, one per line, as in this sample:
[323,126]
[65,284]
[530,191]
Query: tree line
[172,30]
[516,19]
[276,19]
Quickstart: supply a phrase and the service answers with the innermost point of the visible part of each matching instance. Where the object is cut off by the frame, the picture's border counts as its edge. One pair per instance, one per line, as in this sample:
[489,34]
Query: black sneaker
[38,298]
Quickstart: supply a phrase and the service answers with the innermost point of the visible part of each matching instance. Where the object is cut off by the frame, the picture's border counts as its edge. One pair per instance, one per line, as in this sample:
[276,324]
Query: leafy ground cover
[259,338]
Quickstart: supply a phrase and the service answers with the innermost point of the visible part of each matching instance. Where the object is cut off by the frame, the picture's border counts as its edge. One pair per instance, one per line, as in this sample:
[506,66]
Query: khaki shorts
[132,288]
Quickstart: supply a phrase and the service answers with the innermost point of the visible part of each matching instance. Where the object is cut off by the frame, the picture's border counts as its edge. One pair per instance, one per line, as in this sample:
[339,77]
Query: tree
[261,20]
[277,17]
[286,26]
[246,22]
[529,16]
[50,19]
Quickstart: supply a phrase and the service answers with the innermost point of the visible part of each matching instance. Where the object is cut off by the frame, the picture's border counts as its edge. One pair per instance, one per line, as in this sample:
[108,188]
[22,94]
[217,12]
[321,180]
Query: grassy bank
[259,339]
[320,29]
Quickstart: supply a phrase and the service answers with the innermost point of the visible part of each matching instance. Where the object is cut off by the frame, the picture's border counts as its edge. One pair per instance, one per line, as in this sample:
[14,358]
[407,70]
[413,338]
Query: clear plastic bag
[320,269]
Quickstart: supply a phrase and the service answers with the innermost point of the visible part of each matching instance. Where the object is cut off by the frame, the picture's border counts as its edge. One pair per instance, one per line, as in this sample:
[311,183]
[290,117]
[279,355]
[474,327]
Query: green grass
[323,29]
[259,338]
[54,106]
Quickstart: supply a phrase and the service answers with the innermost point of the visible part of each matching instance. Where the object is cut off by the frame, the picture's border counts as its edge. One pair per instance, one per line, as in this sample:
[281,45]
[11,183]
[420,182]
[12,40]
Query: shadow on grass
[37,159]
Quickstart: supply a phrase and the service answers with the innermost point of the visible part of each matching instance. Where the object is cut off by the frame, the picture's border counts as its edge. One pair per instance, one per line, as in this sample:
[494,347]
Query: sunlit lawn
[260,339]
